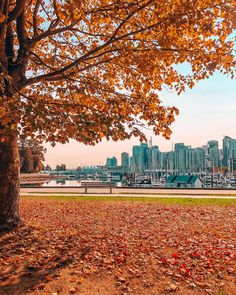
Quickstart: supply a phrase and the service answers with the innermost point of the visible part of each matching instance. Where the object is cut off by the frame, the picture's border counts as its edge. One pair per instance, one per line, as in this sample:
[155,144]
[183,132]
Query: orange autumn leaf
[92,69]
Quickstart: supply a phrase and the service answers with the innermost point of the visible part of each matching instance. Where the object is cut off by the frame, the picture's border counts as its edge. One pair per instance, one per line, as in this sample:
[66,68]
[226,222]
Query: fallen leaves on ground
[93,247]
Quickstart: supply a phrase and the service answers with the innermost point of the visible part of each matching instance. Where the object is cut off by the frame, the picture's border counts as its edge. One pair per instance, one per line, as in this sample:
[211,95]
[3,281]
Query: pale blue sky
[207,111]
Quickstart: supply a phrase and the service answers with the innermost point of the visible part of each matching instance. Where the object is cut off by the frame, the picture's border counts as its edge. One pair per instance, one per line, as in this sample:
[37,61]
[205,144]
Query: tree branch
[3,32]
[111,40]
[2,3]
[85,56]
[56,21]
[51,33]
[21,31]
[17,11]
[10,54]
[128,17]
[35,25]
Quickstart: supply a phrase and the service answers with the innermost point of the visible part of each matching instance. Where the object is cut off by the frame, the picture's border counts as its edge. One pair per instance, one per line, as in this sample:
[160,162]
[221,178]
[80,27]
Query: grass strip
[177,201]
[141,194]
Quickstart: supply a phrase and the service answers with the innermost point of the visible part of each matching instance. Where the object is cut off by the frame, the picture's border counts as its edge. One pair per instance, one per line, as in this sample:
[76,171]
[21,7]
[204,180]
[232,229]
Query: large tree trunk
[9,183]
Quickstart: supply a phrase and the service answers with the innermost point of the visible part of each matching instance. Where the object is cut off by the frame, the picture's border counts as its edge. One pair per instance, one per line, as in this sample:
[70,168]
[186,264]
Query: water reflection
[70,183]
[62,182]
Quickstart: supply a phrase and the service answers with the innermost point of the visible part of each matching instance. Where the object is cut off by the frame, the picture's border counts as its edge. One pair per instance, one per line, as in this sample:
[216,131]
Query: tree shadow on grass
[31,257]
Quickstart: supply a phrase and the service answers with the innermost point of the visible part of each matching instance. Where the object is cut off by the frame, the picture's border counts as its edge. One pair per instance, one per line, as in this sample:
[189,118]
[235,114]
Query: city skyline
[208,147]
[181,159]
[206,112]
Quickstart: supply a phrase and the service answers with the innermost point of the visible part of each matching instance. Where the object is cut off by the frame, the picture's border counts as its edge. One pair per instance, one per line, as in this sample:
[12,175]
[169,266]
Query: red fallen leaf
[196,254]
[184,270]
[175,255]
[230,270]
[174,261]
[145,239]
[126,253]
[119,260]
[164,261]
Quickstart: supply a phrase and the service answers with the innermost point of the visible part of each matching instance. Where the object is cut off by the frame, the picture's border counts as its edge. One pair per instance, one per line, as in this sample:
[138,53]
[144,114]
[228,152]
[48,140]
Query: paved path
[130,192]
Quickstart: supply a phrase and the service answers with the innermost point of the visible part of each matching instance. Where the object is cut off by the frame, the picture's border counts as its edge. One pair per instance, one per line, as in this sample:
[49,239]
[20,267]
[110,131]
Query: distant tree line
[31,155]
[61,167]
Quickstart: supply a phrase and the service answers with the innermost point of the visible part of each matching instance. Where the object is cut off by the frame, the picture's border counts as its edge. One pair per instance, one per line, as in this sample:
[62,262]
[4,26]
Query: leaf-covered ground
[109,248]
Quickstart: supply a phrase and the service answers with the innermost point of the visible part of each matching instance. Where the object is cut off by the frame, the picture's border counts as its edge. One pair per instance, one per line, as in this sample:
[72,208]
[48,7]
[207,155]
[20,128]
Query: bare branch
[56,21]
[50,33]
[35,25]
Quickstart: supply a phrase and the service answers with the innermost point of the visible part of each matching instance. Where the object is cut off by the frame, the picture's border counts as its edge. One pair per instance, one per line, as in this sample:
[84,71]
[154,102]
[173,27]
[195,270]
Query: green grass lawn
[181,201]
[140,194]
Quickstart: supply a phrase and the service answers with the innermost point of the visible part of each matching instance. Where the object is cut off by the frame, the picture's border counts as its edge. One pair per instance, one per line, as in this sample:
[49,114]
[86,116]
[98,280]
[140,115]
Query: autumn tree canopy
[88,69]
[31,155]
[91,69]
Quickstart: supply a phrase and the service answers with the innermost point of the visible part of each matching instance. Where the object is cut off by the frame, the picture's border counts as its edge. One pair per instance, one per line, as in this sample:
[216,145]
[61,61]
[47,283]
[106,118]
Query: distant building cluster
[183,159]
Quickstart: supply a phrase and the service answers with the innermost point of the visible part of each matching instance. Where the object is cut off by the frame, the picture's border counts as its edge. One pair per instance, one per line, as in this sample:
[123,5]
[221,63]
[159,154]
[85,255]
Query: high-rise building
[181,158]
[184,159]
[213,153]
[229,153]
[154,158]
[205,147]
[199,159]
[196,160]
[212,144]
[111,162]
[125,160]
[167,162]
[140,157]
[131,164]
[191,160]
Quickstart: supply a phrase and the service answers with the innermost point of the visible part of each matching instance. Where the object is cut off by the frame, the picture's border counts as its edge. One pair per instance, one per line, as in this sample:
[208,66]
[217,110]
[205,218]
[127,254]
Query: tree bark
[9,183]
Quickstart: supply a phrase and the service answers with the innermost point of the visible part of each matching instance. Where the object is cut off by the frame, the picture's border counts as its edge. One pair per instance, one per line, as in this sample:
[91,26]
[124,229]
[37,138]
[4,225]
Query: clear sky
[207,112]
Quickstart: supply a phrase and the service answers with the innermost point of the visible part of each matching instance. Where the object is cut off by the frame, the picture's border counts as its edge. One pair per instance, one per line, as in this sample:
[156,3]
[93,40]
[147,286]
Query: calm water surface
[59,183]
